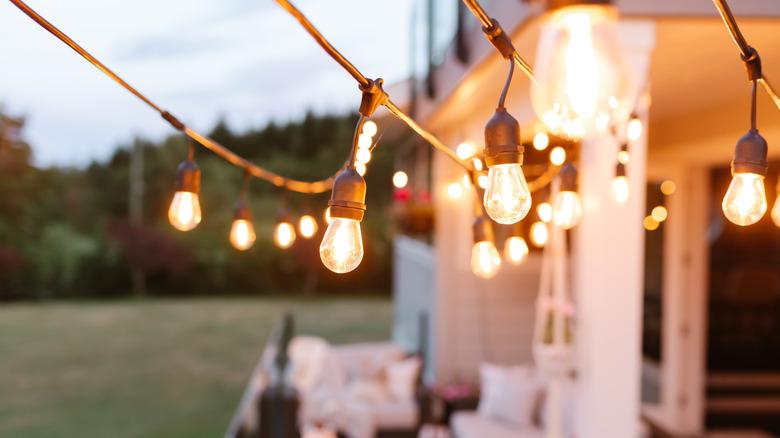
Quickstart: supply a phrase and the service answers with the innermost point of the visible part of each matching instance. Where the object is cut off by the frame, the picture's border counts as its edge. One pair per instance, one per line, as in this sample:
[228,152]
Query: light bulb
[184,213]
[307,226]
[482,181]
[776,211]
[619,187]
[477,163]
[650,224]
[634,129]
[360,168]
[545,212]
[539,234]
[558,155]
[363,156]
[659,213]
[454,190]
[583,83]
[365,142]
[623,157]
[541,141]
[400,179]
[466,181]
[242,234]
[327,217]
[507,198]
[485,261]
[284,235]
[745,200]
[466,150]
[668,187]
[369,128]
[515,250]
[567,209]
[341,249]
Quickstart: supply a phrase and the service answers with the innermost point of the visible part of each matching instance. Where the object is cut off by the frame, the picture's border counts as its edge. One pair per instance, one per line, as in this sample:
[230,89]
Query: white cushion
[395,414]
[368,360]
[473,425]
[509,394]
[401,378]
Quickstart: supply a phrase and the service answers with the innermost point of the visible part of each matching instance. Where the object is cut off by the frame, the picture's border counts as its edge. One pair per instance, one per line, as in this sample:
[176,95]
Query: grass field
[150,368]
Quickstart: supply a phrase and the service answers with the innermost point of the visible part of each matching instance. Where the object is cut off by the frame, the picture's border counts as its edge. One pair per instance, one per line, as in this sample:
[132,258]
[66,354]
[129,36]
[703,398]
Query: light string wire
[310,187]
[747,52]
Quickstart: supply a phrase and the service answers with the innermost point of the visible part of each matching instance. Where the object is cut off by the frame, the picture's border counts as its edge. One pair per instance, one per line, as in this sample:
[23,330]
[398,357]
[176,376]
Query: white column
[608,256]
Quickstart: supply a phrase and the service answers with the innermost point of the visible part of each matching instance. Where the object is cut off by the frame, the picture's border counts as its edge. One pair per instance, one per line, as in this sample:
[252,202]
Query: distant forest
[67,233]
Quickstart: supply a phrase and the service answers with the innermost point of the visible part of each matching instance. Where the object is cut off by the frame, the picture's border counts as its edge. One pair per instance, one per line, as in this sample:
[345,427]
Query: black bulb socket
[188,177]
[750,154]
[502,140]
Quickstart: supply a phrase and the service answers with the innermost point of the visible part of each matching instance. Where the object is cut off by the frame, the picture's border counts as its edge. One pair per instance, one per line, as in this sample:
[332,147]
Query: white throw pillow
[509,394]
[402,378]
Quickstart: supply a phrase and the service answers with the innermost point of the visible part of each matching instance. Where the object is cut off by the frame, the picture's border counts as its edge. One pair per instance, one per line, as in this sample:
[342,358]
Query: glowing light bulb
[341,249]
[485,261]
[650,224]
[745,200]
[365,142]
[623,157]
[515,250]
[326,216]
[363,156]
[454,190]
[776,211]
[583,83]
[184,213]
[619,187]
[242,234]
[541,141]
[370,128]
[284,235]
[539,234]
[507,198]
[482,181]
[361,168]
[466,150]
[307,226]
[558,155]
[659,213]
[634,129]
[477,163]
[400,179]
[545,212]
[668,187]
[567,209]
[466,182]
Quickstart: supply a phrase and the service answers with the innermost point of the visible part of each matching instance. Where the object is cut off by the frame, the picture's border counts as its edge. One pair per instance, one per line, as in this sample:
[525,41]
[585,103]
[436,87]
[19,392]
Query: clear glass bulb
[776,211]
[485,260]
[284,235]
[567,210]
[507,198]
[242,234]
[619,187]
[583,83]
[539,234]
[745,200]
[307,226]
[545,212]
[341,249]
[184,213]
[515,250]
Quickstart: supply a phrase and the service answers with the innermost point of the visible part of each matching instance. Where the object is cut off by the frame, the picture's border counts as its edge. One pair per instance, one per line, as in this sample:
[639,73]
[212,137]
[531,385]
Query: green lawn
[150,368]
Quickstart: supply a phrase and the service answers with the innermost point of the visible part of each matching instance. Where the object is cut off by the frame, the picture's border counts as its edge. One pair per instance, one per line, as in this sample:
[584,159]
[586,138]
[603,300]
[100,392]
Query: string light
[659,213]
[370,128]
[184,213]
[485,261]
[567,207]
[466,150]
[539,234]
[582,81]
[454,190]
[363,156]
[361,168]
[466,181]
[650,224]
[307,226]
[341,249]
[619,184]
[400,179]
[634,128]
[482,181]
[507,198]
[545,212]
[776,208]
[284,234]
[477,163]
[557,155]
[242,231]
[623,156]
[541,141]
[515,248]
[668,187]
[326,216]
[365,141]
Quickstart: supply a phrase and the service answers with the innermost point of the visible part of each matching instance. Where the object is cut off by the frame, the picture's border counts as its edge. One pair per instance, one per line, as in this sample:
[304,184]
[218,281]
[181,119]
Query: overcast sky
[244,60]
